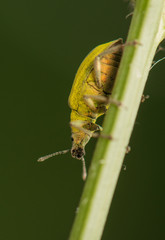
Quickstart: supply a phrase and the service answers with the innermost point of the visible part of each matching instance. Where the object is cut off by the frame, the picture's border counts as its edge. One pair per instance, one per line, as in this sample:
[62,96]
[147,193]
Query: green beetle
[90,95]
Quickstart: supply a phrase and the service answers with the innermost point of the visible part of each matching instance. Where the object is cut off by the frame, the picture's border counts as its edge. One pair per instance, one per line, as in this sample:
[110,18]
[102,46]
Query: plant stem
[148,29]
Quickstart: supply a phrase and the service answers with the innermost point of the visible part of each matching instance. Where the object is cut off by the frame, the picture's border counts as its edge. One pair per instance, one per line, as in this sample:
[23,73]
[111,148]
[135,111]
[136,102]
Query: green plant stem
[148,28]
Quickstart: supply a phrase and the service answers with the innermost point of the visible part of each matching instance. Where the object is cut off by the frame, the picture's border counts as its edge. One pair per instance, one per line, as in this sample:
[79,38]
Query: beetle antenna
[153,65]
[84,172]
[41,159]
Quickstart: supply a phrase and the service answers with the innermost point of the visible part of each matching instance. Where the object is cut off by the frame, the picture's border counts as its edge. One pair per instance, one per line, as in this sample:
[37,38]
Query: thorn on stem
[124,167]
[144,98]
[128,149]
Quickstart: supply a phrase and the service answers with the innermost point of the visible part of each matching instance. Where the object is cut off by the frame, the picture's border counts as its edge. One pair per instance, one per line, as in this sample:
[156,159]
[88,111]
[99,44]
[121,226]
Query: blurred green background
[42,44]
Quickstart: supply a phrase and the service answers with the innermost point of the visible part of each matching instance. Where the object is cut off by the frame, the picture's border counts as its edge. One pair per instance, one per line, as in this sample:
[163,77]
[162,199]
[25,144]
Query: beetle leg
[79,125]
[90,129]
[86,126]
[98,98]
[89,100]
[98,135]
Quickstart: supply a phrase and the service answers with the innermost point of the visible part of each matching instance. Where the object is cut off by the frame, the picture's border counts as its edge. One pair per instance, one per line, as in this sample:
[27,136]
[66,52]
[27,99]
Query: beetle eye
[72,139]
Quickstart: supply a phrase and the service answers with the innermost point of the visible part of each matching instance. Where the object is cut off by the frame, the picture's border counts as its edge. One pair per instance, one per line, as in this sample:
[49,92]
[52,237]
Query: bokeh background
[42,44]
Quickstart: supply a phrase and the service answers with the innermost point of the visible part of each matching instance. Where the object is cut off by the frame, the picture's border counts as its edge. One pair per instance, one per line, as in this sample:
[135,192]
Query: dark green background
[42,44]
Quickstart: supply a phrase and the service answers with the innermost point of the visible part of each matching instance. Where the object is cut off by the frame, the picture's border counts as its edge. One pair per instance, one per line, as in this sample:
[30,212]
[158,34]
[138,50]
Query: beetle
[90,96]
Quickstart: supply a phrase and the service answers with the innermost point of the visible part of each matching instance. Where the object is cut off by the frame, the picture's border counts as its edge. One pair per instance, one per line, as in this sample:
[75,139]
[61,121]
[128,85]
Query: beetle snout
[77,152]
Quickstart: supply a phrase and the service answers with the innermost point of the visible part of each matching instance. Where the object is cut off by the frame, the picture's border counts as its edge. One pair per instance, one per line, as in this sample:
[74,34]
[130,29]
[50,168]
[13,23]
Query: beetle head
[77,152]
[79,140]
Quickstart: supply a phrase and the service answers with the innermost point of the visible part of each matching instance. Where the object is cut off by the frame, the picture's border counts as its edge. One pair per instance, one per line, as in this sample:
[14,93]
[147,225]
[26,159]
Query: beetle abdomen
[109,67]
